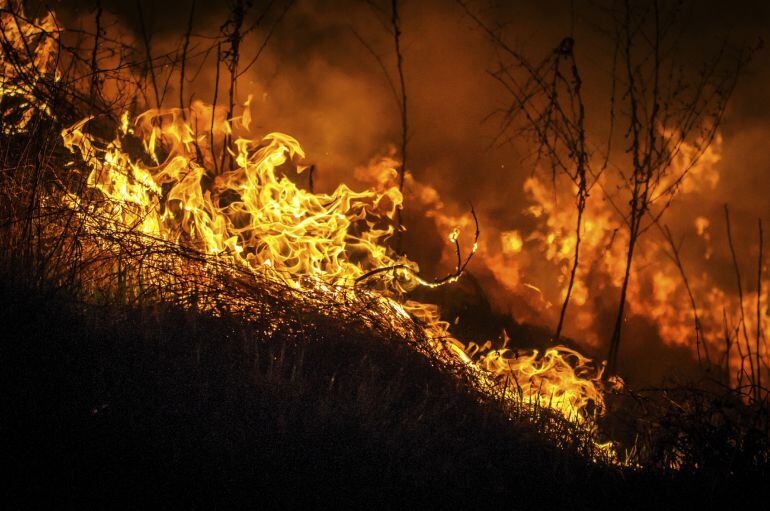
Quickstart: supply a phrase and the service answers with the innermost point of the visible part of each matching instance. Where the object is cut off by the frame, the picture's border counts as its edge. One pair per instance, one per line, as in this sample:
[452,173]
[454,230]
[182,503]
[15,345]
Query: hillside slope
[140,406]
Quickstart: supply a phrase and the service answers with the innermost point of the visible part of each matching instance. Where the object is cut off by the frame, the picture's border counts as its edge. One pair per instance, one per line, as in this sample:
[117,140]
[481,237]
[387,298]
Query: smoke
[318,82]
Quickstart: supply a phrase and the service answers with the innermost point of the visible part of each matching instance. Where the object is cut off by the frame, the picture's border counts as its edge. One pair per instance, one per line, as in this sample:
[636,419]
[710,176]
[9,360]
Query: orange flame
[250,213]
[237,203]
[33,42]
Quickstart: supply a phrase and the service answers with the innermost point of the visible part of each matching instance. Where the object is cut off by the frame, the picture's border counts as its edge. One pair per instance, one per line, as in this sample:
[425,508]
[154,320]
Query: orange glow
[239,206]
[250,214]
[34,41]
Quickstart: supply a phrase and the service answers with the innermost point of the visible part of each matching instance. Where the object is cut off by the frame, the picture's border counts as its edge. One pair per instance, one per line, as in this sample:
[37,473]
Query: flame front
[248,212]
[241,207]
[173,177]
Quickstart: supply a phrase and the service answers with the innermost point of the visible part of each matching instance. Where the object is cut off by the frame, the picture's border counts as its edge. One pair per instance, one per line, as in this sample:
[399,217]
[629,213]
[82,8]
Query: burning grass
[251,219]
[161,404]
[184,205]
[258,307]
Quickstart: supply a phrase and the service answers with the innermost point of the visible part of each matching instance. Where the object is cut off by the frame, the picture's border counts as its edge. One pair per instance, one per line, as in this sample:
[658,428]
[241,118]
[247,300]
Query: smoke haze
[319,80]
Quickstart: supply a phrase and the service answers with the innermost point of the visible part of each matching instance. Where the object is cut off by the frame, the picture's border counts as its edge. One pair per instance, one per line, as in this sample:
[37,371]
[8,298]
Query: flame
[243,207]
[33,42]
[511,242]
[656,290]
[564,375]
[238,204]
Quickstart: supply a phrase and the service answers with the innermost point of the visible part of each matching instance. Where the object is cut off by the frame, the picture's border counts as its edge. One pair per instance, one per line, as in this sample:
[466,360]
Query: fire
[656,290]
[166,178]
[511,242]
[242,207]
[249,214]
[34,42]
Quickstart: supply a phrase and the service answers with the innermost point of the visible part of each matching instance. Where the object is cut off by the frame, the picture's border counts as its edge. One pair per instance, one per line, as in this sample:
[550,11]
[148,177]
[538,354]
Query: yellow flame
[33,42]
[237,202]
[244,207]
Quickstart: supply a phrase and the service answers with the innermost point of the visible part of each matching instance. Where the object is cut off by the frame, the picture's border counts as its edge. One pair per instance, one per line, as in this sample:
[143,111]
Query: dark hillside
[138,406]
